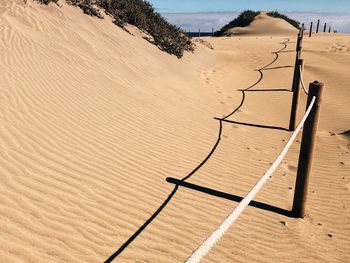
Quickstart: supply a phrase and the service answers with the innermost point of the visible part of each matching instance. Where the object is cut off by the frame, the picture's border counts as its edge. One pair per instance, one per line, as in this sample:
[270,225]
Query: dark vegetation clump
[46,2]
[89,7]
[247,17]
[284,17]
[243,20]
[141,14]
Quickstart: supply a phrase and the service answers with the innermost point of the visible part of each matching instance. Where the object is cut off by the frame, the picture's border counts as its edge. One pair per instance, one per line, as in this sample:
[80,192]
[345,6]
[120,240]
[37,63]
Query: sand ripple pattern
[96,123]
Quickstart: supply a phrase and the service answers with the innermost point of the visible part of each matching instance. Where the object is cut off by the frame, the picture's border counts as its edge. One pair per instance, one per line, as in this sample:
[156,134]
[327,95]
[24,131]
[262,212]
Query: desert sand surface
[94,122]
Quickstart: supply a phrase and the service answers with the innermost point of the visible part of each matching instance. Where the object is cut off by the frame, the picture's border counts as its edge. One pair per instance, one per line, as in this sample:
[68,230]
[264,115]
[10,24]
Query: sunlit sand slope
[97,125]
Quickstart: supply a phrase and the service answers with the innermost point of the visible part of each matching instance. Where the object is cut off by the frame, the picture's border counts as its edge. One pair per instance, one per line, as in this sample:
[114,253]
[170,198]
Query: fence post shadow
[255,125]
[228,196]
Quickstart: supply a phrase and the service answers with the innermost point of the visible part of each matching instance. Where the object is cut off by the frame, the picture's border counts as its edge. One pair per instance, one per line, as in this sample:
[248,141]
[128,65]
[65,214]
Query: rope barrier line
[164,204]
[302,80]
[205,247]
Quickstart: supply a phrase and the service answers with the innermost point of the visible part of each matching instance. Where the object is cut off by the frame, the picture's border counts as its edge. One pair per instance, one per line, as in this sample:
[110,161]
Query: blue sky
[207,14]
[180,6]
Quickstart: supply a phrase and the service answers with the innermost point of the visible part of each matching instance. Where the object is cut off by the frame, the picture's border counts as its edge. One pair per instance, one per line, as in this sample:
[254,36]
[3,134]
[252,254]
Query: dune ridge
[264,25]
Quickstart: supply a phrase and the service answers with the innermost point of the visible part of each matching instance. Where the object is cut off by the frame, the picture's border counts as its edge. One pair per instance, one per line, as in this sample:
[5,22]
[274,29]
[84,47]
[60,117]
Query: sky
[207,14]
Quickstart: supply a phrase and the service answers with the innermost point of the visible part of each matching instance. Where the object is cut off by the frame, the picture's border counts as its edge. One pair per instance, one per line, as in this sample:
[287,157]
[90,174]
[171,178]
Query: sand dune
[94,121]
[264,25]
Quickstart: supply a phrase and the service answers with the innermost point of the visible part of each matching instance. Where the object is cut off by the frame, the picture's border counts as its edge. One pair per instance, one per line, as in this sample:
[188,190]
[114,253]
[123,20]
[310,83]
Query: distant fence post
[299,42]
[302,32]
[199,32]
[296,92]
[310,33]
[307,150]
[298,52]
[318,26]
[325,27]
[329,30]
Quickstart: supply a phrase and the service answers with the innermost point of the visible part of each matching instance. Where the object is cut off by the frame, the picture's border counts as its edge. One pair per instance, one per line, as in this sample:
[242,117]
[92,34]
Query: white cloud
[339,22]
[206,21]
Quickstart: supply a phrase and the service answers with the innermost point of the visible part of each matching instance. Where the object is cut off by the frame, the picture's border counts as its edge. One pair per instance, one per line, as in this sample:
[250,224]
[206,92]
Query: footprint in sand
[288,168]
[291,168]
[347,186]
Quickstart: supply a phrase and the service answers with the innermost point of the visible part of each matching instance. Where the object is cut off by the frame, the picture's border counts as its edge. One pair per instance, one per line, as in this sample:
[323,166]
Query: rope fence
[205,247]
[302,80]
[310,124]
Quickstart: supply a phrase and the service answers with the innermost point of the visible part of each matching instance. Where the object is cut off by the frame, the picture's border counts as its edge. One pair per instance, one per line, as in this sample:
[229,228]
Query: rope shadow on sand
[281,67]
[176,188]
[268,90]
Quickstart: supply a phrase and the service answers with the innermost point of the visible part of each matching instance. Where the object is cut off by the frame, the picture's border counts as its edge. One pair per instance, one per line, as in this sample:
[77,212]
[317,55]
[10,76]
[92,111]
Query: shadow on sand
[227,196]
[256,125]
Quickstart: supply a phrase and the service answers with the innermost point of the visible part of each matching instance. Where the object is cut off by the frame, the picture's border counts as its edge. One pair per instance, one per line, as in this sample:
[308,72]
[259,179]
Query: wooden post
[212,31]
[296,92]
[302,65]
[298,54]
[298,42]
[325,26]
[310,33]
[302,32]
[307,150]
[318,26]
[329,30]
[301,42]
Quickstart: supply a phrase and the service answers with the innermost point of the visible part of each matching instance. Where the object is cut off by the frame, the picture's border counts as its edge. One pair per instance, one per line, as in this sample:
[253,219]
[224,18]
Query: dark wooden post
[307,150]
[318,26]
[329,30]
[302,32]
[310,33]
[296,92]
[298,54]
[325,26]
[298,42]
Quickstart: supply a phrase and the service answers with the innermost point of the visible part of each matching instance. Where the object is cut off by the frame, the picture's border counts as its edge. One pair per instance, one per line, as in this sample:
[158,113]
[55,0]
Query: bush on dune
[243,20]
[276,14]
[247,17]
[46,2]
[141,14]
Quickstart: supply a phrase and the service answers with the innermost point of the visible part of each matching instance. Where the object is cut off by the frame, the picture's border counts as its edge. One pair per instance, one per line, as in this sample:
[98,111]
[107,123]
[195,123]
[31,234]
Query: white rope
[205,247]
[302,80]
